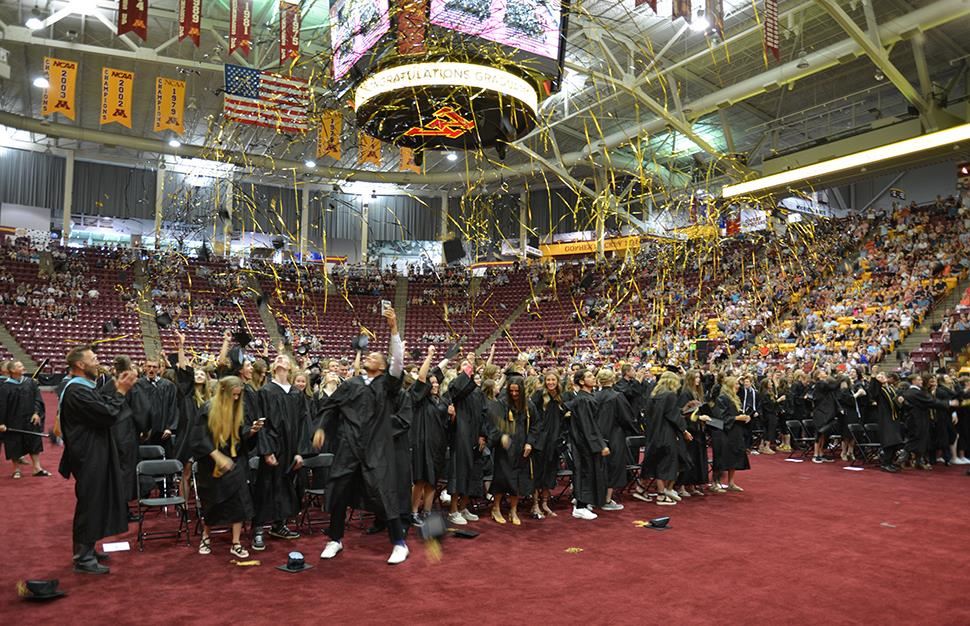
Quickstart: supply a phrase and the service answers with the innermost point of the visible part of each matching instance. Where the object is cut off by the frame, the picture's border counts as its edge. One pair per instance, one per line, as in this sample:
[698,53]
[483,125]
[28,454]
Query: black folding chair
[635,447]
[800,441]
[564,475]
[149,453]
[868,451]
[872,436]
[318,470]
[166,473]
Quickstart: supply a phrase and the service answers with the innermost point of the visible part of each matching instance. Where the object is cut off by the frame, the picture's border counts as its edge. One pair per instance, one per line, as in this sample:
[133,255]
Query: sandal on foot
[204,547]
[238,551]
[16,475]
[42,472]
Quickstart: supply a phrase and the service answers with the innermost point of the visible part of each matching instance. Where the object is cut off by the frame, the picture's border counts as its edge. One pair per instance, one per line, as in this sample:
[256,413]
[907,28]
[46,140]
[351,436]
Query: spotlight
[42,82]
[802,61]
[700,23]
[35,21]
[310,164]
[175,143]
[452,156]
[879,75]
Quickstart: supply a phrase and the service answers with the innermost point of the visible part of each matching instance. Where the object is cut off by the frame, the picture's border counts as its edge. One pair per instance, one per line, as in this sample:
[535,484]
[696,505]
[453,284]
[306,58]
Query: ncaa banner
[368,149]
[240,26]
[289,31]
[169,105]
[328,140]
[407,161]
[59,97]
[190,20]
[133,17]
[116,93]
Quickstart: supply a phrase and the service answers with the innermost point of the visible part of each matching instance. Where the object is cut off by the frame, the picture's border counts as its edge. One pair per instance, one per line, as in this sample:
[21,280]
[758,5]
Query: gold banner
[368,149]
[589,247]
[328,139]
[407,161]
[59,97]
[116,93]
[169,105]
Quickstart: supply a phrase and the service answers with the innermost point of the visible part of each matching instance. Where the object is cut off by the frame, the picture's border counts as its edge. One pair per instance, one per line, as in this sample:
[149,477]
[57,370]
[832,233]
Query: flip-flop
[42,473]
[16,475]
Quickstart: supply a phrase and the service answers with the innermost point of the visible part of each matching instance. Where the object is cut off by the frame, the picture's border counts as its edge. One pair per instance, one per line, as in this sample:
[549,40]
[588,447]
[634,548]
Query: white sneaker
[445,497]
[331,549]
[670,493]
[612,505]
[683,493]
[398,555]
[962,460]
[584,513]
[457,519]
[469,516]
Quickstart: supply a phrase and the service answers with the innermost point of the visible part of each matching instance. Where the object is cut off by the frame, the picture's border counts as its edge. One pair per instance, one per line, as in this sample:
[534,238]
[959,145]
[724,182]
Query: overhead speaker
[453,250]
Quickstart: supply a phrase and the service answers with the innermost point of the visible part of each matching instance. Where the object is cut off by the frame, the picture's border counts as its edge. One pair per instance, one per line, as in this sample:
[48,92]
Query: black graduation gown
[632,390]
[587,443]
[943,432]
[513,474]
[188,411]
[284,435]
[429,434]
[695,473]
[728,444]
[225,500]
[616,422]
[90,455]
[797,403]
[826,409]
[401,423]
[22,401]
[466,461]
[887,413]
[125,437]
[363,415]
[156,408]
[666,453]
[918,406]
[546,458]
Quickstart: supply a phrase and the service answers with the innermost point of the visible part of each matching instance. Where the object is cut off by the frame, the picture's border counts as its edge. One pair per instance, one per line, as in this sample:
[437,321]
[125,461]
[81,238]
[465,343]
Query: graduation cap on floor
[360,342]
[164,320]
[658,523]
[39,590]
[294,563]
[462,533]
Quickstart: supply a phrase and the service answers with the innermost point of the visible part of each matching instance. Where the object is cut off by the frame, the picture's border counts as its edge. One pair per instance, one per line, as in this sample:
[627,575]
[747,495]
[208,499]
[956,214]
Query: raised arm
[426,366]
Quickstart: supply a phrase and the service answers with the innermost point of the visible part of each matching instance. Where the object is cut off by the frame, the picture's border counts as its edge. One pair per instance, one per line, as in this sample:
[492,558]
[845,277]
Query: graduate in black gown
[616,423]
[730,452]
[513,435]
[632,388]
[155,403]
[696,413]
[918,406]
[23,409]
[666,452]
[124,433]
[219,442]
[546,459]
[363,468]
[429,436]
[588,446]
[90,455]
[281,443]
[466,443]
[885,406]
[192,391]
[825,411]
[943,435]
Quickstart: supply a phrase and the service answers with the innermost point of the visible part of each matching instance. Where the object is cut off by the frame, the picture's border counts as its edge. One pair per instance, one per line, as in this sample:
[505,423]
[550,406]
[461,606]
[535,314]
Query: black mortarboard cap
[454,349]
[360,342]
[164,320]
[242,337]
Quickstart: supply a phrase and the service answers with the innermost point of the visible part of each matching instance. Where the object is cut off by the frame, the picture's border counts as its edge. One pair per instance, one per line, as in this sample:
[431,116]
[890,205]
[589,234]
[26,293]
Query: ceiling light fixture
[175,143]
[700,23]
[36,20]
[42,82]
[452,156]
[802,61]
[895,150]
[310,164]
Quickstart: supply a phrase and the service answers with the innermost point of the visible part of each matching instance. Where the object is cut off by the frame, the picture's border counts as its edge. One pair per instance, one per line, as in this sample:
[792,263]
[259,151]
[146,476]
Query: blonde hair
[727,390]
[546,398]
[259,373]
[201,393]
[605,376]
[668,381]
[226,414]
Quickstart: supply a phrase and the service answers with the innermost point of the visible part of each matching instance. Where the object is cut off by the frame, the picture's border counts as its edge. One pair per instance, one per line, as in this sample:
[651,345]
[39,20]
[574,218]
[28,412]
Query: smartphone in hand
[385,305]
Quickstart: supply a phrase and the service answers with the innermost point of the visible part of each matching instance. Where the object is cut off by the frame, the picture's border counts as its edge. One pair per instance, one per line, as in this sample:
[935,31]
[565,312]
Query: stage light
[700,23]
[802,61]
[452,156]
[175,143]
[42,82]
[310,164]
[35,21]
[851,161]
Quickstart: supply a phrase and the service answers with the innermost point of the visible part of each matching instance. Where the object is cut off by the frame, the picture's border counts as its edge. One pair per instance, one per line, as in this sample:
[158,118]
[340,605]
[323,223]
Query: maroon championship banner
[133,17]
[289,31]
[240,26]
[190,20]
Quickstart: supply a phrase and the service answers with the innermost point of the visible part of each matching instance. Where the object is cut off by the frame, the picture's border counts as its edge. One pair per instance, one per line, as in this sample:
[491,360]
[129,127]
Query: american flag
[266,99]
